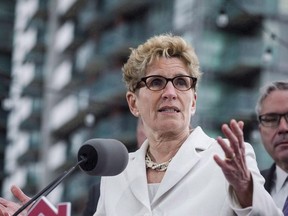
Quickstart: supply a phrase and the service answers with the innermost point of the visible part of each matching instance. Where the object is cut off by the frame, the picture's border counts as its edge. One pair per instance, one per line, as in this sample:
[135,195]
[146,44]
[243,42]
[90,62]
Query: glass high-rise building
[7,15]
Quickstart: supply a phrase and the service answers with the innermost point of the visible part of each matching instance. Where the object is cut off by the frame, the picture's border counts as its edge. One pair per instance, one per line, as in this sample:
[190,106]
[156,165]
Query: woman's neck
[163,150]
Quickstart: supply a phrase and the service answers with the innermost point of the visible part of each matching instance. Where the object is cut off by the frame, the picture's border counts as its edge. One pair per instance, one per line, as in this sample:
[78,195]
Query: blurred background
[61,81]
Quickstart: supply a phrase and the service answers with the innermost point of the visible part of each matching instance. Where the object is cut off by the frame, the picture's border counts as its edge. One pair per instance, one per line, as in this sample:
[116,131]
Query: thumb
[19,194]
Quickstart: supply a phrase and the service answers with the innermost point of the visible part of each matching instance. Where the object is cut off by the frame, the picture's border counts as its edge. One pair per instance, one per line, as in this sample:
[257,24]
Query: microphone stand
[51,186]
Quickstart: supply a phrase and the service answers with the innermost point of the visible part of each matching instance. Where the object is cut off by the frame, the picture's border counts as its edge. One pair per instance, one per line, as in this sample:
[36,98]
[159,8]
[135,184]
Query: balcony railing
[70,8]
[69,37]
[33,119]
[42,8]
[32,154]
[121,127]
[107,91]
[34,87]
[121,7]
[123,37]
[236,55]
[38,42]
[246,17]
[3,120]
[32,180]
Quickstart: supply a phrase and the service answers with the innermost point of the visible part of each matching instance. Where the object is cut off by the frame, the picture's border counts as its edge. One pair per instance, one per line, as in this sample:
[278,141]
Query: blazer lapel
[185,159]
[269,176]
[138,179]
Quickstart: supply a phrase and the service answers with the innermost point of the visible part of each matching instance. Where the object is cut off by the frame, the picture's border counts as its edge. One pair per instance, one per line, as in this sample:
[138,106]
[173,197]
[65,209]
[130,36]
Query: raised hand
[234,164]
[8,208]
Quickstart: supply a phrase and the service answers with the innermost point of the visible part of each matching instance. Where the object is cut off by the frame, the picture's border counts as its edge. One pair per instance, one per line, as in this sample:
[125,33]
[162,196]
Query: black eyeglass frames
[157,83]
[272,119]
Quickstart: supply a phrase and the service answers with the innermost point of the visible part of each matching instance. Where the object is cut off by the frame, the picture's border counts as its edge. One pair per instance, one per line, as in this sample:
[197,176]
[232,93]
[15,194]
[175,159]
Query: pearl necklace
[155,166]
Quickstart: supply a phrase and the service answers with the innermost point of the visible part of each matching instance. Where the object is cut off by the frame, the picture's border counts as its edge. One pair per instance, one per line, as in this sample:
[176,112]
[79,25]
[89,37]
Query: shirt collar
[281,177]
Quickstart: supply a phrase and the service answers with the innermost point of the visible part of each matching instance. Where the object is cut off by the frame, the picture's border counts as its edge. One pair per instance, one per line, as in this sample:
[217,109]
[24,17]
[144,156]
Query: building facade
[7,13]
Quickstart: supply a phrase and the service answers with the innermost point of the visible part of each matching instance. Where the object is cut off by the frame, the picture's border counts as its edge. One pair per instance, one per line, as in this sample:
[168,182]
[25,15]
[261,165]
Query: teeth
[169,110]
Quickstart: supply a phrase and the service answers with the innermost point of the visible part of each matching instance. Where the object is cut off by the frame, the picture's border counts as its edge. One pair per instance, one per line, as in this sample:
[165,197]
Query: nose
[283,125]
[169,91]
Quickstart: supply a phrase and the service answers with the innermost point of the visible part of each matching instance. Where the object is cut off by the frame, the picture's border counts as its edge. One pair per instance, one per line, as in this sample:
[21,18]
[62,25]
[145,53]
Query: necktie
[285,208]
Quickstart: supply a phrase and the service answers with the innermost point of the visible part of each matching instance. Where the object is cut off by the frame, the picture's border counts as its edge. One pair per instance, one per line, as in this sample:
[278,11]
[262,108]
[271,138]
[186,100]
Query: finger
[225,147]
[1,212]
[2,208]
[235,136]
[237,129]
[230,155]
[4,202]
[230,159]
[7,207]
[230,136]
[226,166]
[19,194]
[219,161]
[241,124]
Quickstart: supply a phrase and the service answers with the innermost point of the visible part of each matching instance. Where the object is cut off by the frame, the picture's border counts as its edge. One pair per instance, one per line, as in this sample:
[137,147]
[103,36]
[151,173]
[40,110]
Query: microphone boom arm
[51,186]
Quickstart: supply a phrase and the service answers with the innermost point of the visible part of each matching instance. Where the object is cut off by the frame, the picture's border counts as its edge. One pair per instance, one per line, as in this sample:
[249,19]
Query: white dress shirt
[279,191]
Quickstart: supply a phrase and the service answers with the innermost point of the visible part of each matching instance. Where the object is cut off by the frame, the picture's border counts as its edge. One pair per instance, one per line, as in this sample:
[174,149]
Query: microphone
[102,157]
[105,157]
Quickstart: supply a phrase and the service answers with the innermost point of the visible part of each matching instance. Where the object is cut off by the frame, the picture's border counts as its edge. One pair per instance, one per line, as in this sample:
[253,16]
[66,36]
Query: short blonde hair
[165,45]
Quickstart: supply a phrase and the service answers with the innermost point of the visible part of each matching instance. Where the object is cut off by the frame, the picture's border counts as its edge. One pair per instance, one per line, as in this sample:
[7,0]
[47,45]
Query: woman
[179,170]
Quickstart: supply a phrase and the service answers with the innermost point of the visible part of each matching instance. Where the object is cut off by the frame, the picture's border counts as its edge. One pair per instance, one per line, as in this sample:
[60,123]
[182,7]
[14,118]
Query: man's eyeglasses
[157,83]
[272,119]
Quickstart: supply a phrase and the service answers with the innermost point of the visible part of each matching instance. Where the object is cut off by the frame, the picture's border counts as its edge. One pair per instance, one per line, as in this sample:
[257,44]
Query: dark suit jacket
[93,198]
[268,174]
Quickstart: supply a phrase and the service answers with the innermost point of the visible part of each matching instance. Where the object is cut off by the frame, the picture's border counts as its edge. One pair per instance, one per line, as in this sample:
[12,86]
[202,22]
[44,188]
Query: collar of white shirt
[280,179]
[280,189]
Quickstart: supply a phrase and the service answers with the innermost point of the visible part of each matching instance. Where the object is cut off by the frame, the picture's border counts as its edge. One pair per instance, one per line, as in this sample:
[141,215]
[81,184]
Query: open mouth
[169,109]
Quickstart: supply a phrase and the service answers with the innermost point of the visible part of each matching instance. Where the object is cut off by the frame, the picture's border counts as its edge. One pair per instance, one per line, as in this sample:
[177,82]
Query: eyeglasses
[272,119]
[157,83]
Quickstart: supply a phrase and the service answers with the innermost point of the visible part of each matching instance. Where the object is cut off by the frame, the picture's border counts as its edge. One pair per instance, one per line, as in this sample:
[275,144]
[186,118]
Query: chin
[172,126]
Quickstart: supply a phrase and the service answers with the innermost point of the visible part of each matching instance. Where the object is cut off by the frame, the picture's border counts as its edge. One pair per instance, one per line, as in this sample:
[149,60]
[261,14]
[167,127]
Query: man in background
[272,112]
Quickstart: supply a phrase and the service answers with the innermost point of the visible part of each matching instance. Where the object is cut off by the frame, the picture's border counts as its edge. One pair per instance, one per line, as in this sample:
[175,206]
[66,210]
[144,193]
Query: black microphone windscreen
[105,157]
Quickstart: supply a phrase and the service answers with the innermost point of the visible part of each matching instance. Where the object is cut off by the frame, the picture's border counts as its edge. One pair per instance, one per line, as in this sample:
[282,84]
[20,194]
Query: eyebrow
[174,75]
[274,113]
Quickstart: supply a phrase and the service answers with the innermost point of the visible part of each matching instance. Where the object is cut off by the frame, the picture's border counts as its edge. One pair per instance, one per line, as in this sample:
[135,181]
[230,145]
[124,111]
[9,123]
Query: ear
[193,107]
[131,100]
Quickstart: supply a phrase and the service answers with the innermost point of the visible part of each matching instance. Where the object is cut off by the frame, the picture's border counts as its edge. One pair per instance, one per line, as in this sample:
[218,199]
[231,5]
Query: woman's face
[168,110]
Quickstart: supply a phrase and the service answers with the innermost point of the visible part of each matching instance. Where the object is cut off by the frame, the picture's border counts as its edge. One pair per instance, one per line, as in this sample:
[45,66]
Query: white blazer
[193,185]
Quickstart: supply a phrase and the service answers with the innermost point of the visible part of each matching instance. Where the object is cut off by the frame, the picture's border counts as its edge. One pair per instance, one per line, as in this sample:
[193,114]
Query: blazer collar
[185,159]
[136,176]
[269,177]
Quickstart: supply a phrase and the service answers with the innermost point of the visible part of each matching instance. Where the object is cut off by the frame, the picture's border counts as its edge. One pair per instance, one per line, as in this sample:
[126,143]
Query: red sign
[44,208]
